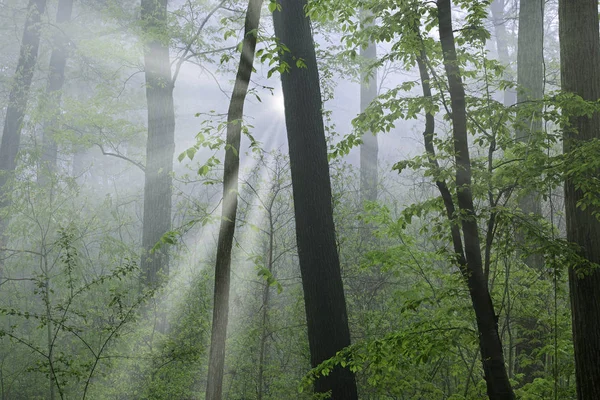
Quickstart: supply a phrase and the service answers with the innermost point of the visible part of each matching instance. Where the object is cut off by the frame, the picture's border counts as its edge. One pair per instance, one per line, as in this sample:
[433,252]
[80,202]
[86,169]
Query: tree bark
[530,80]
[580,57]
[161,140]
[498,385]
[56,80]
[324,300]
[214,388]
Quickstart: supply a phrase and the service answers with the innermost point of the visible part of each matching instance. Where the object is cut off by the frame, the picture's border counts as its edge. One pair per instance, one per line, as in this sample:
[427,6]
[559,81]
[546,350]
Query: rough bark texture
[498,385]
[499,21]
[19,91]
[214,388]
[56,79]
[580,58]
[324,300]
[369,146]
[530,79]
[161,140]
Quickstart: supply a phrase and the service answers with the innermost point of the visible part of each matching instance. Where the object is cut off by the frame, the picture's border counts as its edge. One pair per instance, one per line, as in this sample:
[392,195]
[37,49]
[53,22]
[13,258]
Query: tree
[498,385]
[19,93]
[214,387]
[499,21]
[369,147]
[161,139]
[56,79]
[530,80]
[324,300]
[580,57]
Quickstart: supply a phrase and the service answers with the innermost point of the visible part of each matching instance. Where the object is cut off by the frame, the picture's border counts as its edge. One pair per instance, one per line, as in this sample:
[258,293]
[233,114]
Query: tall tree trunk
[214,388]
[530,79]
[580,58]
[498,385]
[161,140]
[499,21]
[19,91]
[17,103]
[369,146]
[324,300]
[58,61]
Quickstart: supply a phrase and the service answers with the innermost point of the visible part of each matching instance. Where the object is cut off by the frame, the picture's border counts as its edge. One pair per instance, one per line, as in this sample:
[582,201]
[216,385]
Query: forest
[300,199]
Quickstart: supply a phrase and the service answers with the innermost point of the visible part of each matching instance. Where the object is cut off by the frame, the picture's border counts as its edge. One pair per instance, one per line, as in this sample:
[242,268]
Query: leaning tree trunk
[56,80]
[530,80]
[214,388]
[324,300]
[17,103]
[161,140]
[19,91]
[580,58]
[498,385]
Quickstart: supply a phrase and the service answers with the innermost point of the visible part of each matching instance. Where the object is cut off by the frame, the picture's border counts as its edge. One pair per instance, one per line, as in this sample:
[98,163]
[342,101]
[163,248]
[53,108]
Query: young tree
[498,385]
[161,139]
[214,388]
[324,300]
[580,57]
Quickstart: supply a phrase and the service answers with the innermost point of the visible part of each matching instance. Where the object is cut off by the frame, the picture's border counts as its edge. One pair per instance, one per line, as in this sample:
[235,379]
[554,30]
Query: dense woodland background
[297,199]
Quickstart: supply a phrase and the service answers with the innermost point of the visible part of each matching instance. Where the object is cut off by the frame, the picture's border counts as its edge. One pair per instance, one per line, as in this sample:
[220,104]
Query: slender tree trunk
[530,79]
[369,146]
[161,140]
[324,300]
[214,388]
[498,385]
[580,58]
[265,305]
[499,21]
[56,80]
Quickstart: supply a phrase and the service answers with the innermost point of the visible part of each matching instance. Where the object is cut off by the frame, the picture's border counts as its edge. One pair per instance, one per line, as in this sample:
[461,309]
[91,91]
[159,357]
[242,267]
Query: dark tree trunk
[161,140]
[58,61]
[499,21]
[498,385]
[214,388]
[580,58]
[19,91]
[530,79]
[324,300]
[369,146]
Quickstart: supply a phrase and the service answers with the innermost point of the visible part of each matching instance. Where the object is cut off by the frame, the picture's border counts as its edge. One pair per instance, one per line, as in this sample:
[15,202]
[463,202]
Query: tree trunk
[499,21]
[498,385]
[530,79]
[17,105]
[19,91]
[161,140]
[324,300]
[580,57]
[58,61]
[214,388]
[369,147]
